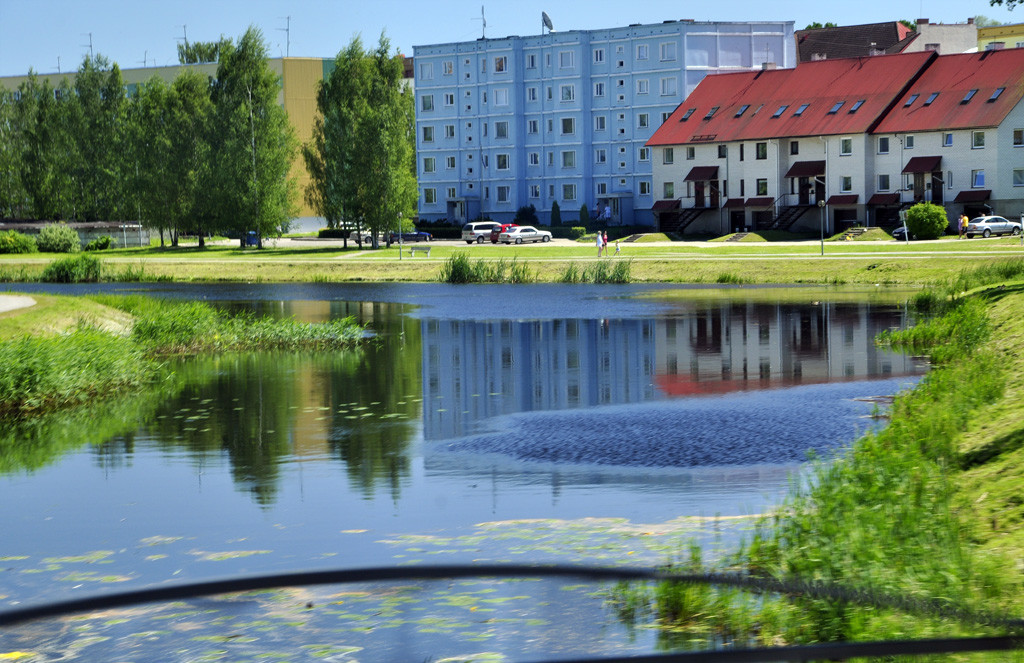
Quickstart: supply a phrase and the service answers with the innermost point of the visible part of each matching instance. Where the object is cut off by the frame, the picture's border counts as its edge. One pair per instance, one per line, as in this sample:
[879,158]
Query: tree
[199,52]
[254,143]
[818,26]
[986,22]
[556,214]
[46,150]
[926,221]
[910,24]
[1009,4]
[12,193]
[361,158]
[584,215]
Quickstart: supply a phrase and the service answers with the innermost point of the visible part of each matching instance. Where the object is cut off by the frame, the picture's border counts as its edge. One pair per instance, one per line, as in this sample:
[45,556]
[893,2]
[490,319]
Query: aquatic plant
[82,268]
[460,269]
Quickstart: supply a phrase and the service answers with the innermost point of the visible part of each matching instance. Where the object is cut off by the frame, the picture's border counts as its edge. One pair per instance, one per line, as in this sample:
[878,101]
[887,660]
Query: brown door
[937,187]
[714,195]
[819,188]
[918,187]
[804,191]
[698,194]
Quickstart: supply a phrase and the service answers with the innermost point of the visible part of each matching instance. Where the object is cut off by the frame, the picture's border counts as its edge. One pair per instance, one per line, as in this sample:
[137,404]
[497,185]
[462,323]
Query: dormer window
[911,100]
[782,109]
[742,110]
[931,98]
[856,106]
[995,95]
[687,114]
[970,95]
[836,107]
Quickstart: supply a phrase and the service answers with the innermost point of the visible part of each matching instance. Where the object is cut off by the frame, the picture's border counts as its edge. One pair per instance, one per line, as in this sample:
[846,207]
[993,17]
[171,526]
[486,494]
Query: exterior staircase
[737,237]
[788,216]
[685,218]
[854,233]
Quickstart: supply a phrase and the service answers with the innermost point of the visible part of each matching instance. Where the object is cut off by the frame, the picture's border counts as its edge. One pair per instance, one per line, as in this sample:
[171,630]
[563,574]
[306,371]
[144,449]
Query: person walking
[963,225]
[604,239]
[600,243]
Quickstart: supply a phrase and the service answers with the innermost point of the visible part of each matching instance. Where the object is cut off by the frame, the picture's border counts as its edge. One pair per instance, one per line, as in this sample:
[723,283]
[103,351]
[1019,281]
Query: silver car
[520,234]
[986,226]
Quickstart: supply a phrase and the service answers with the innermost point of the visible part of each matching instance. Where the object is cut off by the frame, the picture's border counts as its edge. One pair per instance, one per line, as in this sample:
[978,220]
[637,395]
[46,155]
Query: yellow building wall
[301,77]
[1009,35]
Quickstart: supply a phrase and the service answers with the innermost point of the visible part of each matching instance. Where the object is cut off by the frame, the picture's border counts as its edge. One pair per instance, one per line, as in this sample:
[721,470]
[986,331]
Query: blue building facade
[563,117]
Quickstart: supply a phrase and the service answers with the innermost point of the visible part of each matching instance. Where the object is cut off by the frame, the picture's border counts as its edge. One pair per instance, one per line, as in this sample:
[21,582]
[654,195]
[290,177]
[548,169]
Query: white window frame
[601,189]
[669,86]
[501,129]
[643,86]
[531,94]
[571,126]
[429,165]
[449,131]
[535,191]
[532,127]
[598,55]
[908,142]
[668,190]
[600,123]
[501,96]
[667,51]
[1018,137]
[430,196]
[978,178]
[426,71]
[448,67]
[569,159]
[645,154]
[643,120]
[643,51]
[883,145]
[1017,177]
[449,163]
[502,161]
[504,193]
[947,139]
[452,193]
[668,155]
[568,192]
[427,103]
[600,156]
[500,64]
[845,183]
[599,89]
[884,182]
[428,133]
[977,140]
[531,60]
[845,147]
[645,187]
[566,59]
[533,159]
[567,92]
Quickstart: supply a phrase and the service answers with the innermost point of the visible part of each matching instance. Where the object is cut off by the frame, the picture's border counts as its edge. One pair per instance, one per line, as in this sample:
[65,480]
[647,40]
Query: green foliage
[926,221]
[556,214]
[58,238]
[197,52]
[598,272]
[584,215]
[526,216]
[101,243]
[80,268]
[576,232]
[817,25]
[12,241]
[460,269]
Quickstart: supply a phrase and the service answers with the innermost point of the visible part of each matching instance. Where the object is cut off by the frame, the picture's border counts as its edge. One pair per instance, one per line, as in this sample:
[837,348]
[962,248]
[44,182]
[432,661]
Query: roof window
[800,111]
[835,109]
[711,113]
[970,95]
[687,114]
[931,98]
[911,100]
[758,109]
[995,95]
[742,110]
[782,109]
[856,106]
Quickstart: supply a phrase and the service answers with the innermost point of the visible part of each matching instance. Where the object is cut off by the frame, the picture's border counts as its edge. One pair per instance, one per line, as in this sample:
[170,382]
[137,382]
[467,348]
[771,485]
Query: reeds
[460,269]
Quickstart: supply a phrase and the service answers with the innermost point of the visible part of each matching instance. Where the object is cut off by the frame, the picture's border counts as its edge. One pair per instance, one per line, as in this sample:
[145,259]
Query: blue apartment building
[563,117]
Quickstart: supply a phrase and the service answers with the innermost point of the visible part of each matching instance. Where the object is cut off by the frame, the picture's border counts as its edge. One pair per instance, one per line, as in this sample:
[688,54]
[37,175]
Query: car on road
[478,231]
[521,234]
[415,236]
[900,233]
[496,233]
[354,237]
[986,226]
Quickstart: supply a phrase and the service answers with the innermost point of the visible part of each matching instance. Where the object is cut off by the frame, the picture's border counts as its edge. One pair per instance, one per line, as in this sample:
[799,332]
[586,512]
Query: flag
[546,20]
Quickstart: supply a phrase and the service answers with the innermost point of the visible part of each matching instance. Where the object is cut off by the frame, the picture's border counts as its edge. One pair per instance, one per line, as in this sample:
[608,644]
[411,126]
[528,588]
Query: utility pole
[89,34]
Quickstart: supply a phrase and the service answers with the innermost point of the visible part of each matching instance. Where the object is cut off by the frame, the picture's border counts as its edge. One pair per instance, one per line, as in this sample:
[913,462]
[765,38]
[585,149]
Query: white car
[521,234]
[991,225]
[478,231]
[354,237]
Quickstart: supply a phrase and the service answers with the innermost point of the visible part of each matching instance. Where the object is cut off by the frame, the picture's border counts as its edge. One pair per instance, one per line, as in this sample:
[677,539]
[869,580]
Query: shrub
[584,215]
[556,214]
[333,233]
[13,241]
[526,216]
[101,243]
[576,232]
[58,238]
[927,221]
[73,269]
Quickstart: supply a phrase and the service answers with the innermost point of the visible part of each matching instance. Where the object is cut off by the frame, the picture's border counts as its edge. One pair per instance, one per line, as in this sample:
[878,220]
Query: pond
[601,425]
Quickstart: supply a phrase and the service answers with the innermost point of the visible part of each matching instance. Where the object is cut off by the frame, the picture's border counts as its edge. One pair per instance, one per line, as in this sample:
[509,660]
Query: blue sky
[41,33]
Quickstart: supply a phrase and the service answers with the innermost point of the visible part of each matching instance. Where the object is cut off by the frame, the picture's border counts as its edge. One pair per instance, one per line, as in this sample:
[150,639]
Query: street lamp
[399,235]
[821,205]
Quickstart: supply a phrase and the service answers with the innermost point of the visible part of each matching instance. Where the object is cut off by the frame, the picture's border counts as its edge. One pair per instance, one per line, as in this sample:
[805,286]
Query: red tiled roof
[665,205]
[806,169]
[702,174]
[972,196]
[759,202]
[923,165]
[759,95]
[843,199]
[884,199]
[733,203]
[953,77]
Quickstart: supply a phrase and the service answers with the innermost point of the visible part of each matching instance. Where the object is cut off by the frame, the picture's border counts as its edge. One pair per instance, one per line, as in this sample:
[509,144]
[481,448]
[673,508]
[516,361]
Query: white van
[478,231]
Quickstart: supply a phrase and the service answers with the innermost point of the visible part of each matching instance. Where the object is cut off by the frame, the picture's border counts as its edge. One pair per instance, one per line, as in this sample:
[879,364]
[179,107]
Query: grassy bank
[53,358]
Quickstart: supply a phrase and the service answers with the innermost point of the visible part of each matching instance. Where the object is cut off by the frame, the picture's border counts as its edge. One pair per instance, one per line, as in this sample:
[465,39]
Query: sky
[54,35]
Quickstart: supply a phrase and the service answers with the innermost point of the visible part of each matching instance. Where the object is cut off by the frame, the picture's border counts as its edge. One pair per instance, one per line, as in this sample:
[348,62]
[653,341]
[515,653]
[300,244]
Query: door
[698,194]
[714,195]
[937,187]
[804,191]
[918,187]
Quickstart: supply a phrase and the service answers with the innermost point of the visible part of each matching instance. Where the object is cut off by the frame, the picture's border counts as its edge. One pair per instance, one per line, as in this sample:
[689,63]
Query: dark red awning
[702,174]
[760,202]
[973,196]
[884,199]
[923,165]
[733,203]
[665,205]
[806,169]
[843,199]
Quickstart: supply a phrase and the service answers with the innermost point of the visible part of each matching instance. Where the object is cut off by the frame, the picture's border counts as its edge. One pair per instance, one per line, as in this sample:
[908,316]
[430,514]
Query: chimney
[970,20]
[768,66]
[922,21]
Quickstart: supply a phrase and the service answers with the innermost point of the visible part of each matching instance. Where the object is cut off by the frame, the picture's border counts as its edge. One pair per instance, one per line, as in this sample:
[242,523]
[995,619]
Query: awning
[665,205]
[806,169]
[844,199]
[733,203]
[884,199]
[702,174]
[760,202]
[923,165]
[973,196]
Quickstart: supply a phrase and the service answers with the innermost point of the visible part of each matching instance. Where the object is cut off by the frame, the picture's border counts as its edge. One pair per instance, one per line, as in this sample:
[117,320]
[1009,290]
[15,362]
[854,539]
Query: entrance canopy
[973,196]
[923,165]
[843,199]
[702,174]
[884,199]
[806,169]
[665,205]
[760,202]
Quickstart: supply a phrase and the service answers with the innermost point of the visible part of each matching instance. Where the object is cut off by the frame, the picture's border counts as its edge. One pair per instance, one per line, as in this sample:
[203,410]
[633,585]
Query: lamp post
[399,235]
[821,206]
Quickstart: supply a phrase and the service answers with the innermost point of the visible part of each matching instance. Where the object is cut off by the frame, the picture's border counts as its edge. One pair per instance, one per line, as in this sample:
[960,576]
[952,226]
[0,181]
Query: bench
[422,249]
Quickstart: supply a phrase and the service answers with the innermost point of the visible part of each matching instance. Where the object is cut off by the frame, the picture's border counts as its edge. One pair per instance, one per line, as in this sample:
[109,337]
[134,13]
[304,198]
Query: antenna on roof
[545,22]
[483,19]
[287,35]
[58,64]
[90,42]
[145,57]
[184,31]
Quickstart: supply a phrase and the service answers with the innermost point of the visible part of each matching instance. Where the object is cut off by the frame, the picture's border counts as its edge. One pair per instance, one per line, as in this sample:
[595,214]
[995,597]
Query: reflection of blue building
[473,371]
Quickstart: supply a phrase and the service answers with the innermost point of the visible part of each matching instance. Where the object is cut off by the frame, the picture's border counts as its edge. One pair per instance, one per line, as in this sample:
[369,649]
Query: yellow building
[1001,36]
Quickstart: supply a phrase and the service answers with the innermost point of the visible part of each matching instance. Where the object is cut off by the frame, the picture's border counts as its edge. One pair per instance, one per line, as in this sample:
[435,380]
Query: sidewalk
[12,302]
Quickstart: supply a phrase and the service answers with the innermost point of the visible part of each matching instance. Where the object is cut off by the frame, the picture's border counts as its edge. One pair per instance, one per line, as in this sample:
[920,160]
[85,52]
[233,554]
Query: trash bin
[251,239]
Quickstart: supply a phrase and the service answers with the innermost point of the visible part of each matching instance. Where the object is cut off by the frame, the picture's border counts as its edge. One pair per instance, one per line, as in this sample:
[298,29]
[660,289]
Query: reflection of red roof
[923,165]
[702,174]
[842,199]
[972,196]
[688,385]
[665,205]
[760,202]
[806,169]
[884,199]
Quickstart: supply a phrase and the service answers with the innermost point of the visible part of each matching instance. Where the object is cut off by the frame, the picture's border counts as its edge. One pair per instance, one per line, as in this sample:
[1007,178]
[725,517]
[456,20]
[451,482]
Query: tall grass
[598,272]
[460,269]
[79,268]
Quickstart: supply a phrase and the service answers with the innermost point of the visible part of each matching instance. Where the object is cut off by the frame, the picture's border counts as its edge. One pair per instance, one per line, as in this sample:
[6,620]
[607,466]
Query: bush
[556,214]
[526,216]
[576,232]
[73,269]
[333,233]
[101,244]
[58,238]
[13,241]
[584,215]
[927,221]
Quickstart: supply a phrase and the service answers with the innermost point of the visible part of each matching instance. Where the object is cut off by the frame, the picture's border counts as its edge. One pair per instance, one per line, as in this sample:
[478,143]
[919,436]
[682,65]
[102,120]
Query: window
[645,188]
[535,191]
[449,163]
[908,142]
[532,127]
[452,194]
[620,82]
[794,147]
[550,126]
[503,194]
[428,134]
[781,110]
[485,96]
[723,151]
[549,93]
[883,182]
[669,190]
[483,65]
[534,158]
[741,151]
[688,113]
[711,113]
[947,140]
[501,97]
[484,126]
[568,192]
[883,145]
[484,160]
[1018,177]
[669,86]
[449,131]
[800,111]
[427,102]
[531,94]
[602,188]
[856,106]
[643,51]
[846,183]
[447,67]
[977,140]
[645,154]
[643,120]
[970,95]
[836,107]
[568,92]
[762,186]
[668,51]
[760,150]
[569,159]
[500,64]
[501,160]
[430,196]
[501,129]
[742,110]
[911,100]
[931,97]
[978,178]
[531,61]
[598,55]
[427,71]
[600,156]
[568,125]
[643,86]
[665,115]
[600,123]
[599,89]
[1018,137]
[845,147]
[668,155]
[691,153]
[949,180]
[565,59]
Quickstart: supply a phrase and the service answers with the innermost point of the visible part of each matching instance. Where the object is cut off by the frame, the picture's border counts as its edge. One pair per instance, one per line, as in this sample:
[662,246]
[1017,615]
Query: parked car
[478,231]
[415,236]
[496,233]
[521,234]
[986,226]
[900,233]
[354,237]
